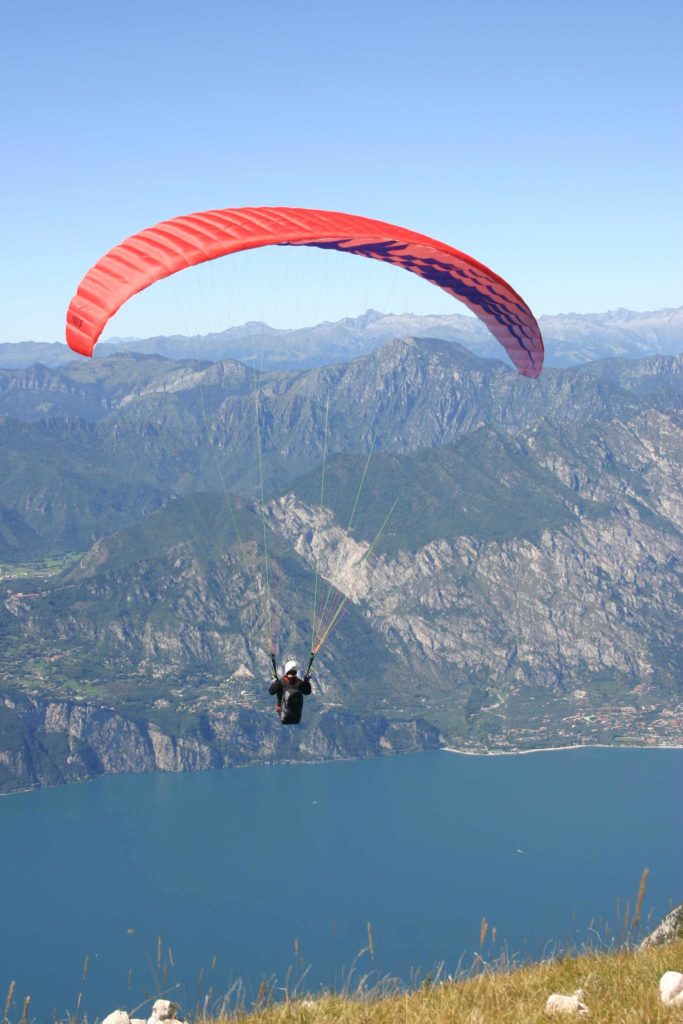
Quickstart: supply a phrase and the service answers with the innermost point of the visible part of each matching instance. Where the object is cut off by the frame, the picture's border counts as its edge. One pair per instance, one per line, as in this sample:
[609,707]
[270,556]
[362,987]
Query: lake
[247,873]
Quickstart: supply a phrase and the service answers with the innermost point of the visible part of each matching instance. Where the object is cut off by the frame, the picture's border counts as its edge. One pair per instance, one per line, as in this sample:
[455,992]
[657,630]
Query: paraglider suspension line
[348,530]
[263,515]
[345,600]
[322,492]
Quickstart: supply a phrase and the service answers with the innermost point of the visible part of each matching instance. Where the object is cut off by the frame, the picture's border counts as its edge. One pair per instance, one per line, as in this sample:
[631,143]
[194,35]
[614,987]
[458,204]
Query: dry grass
[620,988]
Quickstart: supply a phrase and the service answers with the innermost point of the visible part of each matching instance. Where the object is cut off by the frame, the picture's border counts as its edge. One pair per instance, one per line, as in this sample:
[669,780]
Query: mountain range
[570,339]
[504,555]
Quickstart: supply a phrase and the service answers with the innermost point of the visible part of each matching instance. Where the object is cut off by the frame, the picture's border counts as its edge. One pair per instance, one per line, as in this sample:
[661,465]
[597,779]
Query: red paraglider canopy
[183,242]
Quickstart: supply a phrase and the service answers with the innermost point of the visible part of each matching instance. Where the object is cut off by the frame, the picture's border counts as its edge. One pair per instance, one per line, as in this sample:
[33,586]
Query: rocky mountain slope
[88,448]
[505,555]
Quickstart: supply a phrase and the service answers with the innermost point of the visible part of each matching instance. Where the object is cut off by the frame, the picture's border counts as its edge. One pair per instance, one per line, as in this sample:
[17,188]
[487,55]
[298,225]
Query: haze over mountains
[570,339]
[524,591]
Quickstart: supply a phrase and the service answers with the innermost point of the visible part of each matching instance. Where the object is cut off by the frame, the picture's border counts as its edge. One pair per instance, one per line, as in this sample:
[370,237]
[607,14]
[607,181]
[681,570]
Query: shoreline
[340,760]
[568,746]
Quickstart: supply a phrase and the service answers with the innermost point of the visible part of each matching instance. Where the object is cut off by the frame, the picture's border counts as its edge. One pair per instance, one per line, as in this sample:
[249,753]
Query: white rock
[670,929]
[567,1004]
[117,1017]
[163,1009]
[671,988]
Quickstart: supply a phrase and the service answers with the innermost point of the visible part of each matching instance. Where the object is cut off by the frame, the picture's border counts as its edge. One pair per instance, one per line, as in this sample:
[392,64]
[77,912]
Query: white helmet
[290,666]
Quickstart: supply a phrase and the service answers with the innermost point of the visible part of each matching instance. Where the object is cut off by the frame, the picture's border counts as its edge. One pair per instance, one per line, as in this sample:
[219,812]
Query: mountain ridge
[137,430]
[571,339]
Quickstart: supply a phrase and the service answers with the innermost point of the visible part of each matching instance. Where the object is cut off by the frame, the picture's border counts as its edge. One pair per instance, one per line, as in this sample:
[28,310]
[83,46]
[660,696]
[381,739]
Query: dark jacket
[277,688]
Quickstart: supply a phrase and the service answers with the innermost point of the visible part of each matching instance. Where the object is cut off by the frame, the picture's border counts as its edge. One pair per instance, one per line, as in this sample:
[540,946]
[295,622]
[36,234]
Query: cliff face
[48,742]
[570,633]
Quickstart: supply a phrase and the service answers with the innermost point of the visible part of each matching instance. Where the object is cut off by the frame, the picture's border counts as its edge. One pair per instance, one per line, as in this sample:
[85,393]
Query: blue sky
[544,139]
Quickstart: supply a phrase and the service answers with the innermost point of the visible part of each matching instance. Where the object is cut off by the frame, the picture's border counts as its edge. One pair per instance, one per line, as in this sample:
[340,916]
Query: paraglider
[174,245]
[182,242]
[289,691]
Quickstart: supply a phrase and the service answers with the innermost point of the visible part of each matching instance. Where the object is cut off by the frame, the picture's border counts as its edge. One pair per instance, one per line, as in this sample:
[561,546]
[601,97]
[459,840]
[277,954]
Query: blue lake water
[246,873]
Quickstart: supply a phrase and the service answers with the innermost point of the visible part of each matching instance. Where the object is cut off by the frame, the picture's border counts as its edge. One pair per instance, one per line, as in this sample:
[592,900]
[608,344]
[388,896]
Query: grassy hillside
[619,988]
